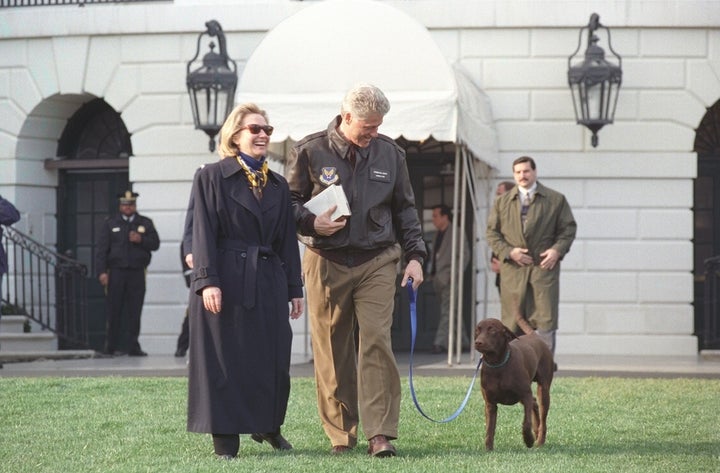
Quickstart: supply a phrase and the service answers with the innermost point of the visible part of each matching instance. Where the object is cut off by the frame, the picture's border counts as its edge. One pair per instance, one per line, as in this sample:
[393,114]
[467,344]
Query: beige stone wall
[627,283]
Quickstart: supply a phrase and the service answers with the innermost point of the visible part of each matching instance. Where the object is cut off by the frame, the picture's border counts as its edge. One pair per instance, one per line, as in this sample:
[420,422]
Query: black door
[93,153]
[88,198]
[706,241]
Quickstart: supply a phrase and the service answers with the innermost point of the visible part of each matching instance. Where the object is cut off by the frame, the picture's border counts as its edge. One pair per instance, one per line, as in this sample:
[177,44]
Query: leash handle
[411,291]
[413,328]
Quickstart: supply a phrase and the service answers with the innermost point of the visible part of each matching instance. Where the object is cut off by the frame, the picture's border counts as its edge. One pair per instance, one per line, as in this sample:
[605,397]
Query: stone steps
[17,344]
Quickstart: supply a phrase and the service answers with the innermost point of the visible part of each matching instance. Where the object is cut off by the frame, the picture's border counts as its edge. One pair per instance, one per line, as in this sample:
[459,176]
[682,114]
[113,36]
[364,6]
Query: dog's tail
[522,322]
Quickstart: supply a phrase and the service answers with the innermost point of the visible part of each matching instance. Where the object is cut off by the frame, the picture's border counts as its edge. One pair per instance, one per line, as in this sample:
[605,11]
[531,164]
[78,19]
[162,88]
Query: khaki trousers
[339,299]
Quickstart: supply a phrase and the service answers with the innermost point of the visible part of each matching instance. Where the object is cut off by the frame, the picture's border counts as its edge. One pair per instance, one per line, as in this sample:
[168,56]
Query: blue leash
[413,326]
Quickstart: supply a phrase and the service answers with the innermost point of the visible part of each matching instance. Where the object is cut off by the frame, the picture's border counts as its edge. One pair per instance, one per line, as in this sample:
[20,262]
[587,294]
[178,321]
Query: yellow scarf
[257,179]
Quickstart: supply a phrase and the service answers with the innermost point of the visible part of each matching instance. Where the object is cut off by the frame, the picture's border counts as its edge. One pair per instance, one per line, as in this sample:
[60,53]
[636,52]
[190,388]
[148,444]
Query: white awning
[301,70]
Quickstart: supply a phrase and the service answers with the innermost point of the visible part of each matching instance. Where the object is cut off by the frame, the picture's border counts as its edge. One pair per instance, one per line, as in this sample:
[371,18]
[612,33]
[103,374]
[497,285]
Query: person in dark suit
[186,263]
[8,215]
[440,273]
[123,252]
[246,268]
[183,340]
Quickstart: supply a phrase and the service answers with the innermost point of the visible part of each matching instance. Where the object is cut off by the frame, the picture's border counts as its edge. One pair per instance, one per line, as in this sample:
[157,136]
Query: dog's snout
[479,342]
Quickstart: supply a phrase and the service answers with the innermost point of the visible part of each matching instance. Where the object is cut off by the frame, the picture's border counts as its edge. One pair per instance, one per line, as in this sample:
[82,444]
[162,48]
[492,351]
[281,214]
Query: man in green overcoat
[531,228]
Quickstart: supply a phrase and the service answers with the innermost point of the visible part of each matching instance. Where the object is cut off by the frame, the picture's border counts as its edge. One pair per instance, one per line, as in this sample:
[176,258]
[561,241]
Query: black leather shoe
[180,352]
[137,352]
[277,441]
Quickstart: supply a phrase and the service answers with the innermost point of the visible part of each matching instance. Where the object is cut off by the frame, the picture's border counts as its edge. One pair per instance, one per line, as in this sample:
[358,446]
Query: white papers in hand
[332,195]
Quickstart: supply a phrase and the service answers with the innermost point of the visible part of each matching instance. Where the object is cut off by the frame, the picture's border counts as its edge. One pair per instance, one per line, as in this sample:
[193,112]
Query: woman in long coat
[246,267]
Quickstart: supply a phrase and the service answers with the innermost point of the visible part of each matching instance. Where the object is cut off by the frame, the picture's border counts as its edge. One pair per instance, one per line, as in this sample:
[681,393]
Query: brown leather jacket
[381,198]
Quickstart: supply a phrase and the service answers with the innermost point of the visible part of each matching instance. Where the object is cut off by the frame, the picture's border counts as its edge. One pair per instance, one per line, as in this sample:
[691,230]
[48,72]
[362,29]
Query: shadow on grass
[632,448]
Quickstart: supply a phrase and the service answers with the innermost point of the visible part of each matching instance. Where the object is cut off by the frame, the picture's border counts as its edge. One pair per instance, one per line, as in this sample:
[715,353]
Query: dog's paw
[529,438]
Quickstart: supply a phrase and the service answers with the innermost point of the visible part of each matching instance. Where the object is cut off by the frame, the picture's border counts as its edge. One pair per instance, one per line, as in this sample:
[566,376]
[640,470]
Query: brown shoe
[339,449]
[379,446]
[276,440]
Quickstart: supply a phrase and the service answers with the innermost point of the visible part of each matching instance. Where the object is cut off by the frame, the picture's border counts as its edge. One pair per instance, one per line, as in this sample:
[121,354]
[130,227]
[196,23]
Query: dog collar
[501,364]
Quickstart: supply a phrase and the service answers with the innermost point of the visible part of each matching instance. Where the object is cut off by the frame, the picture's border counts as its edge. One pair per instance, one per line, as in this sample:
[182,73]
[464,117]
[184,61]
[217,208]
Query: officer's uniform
[125,262]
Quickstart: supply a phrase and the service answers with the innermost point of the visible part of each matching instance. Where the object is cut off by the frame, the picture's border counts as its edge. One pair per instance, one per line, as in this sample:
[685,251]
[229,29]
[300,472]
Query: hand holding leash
[413,275]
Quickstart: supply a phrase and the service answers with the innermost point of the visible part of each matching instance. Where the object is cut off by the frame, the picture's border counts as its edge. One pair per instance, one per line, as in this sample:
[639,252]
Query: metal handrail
[47,287]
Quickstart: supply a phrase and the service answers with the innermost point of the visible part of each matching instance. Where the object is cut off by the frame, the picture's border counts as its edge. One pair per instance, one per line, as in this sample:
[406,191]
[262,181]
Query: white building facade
[627,285]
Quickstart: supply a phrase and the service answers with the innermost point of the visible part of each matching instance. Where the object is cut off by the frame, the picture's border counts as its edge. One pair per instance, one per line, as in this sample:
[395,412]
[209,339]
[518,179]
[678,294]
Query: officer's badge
[141,229]
[329,176]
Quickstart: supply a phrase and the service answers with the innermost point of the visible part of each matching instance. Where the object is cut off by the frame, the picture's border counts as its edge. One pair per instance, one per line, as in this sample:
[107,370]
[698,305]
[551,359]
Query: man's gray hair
[364,100]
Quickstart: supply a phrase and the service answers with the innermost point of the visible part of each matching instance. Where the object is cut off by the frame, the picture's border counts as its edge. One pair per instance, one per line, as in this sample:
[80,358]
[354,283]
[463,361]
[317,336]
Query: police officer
[123,252]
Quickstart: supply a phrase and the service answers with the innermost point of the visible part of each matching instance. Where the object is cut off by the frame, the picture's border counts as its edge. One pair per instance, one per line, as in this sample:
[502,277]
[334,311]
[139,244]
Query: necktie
[524,208]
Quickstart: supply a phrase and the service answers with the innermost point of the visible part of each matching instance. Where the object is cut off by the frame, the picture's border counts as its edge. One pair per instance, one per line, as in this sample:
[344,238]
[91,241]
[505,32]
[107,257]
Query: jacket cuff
[417,257]
[307,225]
[295,292]
[202,278]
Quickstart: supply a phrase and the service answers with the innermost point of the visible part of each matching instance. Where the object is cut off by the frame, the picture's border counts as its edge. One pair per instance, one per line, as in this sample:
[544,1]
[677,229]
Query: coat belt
[252,253]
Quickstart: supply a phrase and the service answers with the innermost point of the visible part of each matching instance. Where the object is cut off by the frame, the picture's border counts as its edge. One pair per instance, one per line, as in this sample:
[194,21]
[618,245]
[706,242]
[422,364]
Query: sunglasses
[255,129]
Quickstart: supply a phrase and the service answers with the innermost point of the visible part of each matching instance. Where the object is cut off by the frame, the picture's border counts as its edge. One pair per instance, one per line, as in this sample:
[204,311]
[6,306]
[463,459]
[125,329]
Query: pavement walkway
[705,365]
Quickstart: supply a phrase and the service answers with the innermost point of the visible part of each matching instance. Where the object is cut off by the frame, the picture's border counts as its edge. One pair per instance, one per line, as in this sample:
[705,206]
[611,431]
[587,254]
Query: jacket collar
[229,166]
[337,141]
[539,190]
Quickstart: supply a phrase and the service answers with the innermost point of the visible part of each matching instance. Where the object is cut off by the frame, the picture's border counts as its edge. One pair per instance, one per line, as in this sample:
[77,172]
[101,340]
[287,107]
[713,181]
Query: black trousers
[125,298]
[183,341]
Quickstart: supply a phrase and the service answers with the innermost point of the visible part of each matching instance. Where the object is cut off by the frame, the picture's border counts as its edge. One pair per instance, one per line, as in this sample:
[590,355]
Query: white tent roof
[301,70]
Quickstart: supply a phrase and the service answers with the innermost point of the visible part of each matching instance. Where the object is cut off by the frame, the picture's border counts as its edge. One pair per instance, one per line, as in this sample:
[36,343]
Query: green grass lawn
[114,424]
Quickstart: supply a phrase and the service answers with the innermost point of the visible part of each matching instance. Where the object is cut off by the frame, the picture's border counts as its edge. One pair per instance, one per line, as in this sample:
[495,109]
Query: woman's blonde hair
[232,126]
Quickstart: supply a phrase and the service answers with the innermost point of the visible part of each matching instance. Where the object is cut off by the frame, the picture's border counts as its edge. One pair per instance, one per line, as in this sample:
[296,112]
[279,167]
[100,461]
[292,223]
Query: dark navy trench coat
[239,359]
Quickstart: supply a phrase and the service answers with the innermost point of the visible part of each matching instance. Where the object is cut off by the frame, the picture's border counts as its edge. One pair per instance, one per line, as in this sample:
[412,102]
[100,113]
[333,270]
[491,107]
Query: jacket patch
[115,229]
[379,175]
[329,176]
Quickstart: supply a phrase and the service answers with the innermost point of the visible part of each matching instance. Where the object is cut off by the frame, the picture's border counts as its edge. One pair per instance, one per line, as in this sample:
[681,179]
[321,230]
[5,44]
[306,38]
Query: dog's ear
[510,335]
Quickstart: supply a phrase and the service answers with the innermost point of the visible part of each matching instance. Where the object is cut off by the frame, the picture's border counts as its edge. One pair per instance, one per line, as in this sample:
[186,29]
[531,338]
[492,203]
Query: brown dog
[510,365]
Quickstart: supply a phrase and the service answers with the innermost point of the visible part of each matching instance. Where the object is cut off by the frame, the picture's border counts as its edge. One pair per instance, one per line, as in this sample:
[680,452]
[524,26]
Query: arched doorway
[93,153]
[706,216]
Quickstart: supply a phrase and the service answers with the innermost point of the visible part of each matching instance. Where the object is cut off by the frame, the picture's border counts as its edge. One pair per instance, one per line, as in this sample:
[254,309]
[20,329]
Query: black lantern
[594,82]
[212,85]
